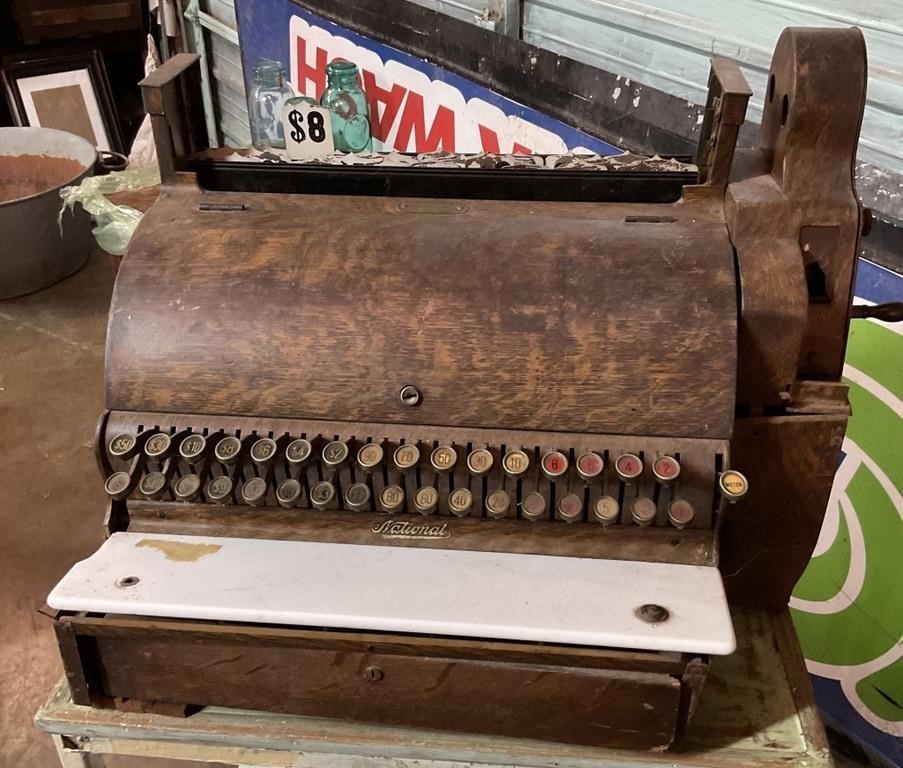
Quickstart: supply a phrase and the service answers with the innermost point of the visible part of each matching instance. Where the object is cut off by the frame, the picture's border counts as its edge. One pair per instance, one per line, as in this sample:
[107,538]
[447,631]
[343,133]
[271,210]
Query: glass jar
[268,95]
[347,105]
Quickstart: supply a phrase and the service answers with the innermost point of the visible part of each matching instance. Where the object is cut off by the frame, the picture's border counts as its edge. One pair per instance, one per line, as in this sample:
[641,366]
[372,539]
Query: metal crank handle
[888,313]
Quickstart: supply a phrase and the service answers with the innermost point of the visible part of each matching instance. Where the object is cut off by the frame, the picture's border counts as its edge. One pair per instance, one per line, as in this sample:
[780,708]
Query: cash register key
[733,485]
[444,458]
[263,450]
[642,510]
[117,485]
[570,507]
[322,494]
[157,445]
[123,446]
[192,448]
[357,497]
[426,500]
[460,501]
[479,461]
[515,463]
[219,490]
[606,510]
[534,506]
[406,457]
[628,467]
[554,464]
[254,491]
[392,498]
[680,513]
[666,469]
[497,504]
[152,485]
[298,451]
[335,453]
[227,449]
[288,492]
[590,465]
[187,487]
[370,456]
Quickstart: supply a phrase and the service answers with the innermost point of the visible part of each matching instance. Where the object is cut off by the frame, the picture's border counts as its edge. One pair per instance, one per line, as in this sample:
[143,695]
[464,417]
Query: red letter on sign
[441,133]
[391,101]
[316,74]
[489,140]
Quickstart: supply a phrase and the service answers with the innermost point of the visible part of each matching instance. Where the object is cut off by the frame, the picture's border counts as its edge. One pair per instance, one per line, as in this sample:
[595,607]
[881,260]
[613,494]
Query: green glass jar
[347,105]
[268,93]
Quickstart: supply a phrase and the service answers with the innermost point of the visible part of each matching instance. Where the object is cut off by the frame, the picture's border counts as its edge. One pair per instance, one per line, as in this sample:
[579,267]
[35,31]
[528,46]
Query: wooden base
[625,700]
[757,712]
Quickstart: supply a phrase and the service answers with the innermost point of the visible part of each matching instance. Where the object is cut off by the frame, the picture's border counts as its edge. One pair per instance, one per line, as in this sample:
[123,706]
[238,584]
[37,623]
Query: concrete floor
[52,501]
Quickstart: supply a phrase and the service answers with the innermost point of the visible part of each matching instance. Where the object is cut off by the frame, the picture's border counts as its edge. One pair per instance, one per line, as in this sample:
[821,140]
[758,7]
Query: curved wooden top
[547,316]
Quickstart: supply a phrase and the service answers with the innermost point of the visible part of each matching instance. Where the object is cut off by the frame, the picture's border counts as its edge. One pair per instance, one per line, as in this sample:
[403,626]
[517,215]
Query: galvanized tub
[37,248]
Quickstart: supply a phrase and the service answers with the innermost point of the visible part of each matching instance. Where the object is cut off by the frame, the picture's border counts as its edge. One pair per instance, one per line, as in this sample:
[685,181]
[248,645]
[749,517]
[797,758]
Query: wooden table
[756,712]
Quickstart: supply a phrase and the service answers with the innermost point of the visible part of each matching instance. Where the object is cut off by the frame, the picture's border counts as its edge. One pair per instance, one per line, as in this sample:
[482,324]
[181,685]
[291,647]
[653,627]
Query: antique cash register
[472,449]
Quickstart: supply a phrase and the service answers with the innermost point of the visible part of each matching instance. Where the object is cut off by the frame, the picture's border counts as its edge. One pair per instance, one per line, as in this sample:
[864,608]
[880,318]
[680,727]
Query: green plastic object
[113,224]
[347,105]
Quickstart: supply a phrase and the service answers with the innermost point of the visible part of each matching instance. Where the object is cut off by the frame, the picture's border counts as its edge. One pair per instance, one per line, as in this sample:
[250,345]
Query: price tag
[308,131]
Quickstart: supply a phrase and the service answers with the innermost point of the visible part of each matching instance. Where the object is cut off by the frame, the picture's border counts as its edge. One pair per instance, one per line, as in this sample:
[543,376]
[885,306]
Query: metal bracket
[502,16]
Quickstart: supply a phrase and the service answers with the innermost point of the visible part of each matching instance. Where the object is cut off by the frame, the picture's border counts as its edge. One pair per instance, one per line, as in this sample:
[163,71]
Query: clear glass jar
[268,95]
[347,105]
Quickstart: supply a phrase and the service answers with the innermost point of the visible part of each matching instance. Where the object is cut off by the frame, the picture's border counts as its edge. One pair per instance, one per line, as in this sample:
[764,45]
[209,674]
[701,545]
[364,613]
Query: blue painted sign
[415,106]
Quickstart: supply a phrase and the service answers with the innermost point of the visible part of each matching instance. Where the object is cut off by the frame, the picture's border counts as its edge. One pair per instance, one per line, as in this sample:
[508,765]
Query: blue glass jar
[268,95]
[347,105]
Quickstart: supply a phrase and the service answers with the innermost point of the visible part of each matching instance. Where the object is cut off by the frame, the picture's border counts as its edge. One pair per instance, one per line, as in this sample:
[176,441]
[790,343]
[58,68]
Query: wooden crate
[45,19]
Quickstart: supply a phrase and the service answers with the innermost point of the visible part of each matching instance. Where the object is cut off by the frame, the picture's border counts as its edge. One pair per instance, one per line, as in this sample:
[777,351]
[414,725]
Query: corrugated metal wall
[667,43]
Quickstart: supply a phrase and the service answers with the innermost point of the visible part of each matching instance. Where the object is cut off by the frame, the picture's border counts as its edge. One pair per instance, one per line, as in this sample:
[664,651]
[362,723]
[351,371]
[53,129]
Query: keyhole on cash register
[410,395]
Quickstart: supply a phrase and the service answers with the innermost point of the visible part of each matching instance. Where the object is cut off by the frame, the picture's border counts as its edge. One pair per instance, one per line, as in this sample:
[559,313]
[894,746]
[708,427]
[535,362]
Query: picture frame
[70,92]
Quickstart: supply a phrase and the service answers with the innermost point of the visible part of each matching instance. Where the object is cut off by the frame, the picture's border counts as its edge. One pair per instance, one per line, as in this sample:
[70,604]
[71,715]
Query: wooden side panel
[768,537]
[580,705]
[561,316]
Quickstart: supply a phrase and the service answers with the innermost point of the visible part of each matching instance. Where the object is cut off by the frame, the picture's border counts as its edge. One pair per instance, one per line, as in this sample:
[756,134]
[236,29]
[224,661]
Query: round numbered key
[254,491]
[392,498]
[426,500]
[357,497]
[288,493]
[516,463]
[570,507]
[554,464]
[733,485]
[606,510]
[122,446]
[227,450]
[666,469]
[498,503]
[370,456]
[534,506]
[406,457]
[187,487]
[642,510]
[219,490]
[335,453]
[681,513]
[444,458]
[192,448]
[157,445]
[298,451]
[479,461]
[590,466]
[460,501]
[153,485]
[322,494]
[628,467]
[263,450]
[118,485]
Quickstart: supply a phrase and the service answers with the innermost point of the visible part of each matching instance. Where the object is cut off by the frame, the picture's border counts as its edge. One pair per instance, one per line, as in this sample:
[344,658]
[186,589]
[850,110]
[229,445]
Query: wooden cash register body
[711,327]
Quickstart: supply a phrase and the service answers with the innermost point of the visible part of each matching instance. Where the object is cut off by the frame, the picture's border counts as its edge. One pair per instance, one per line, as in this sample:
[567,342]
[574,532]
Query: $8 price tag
[308,131]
